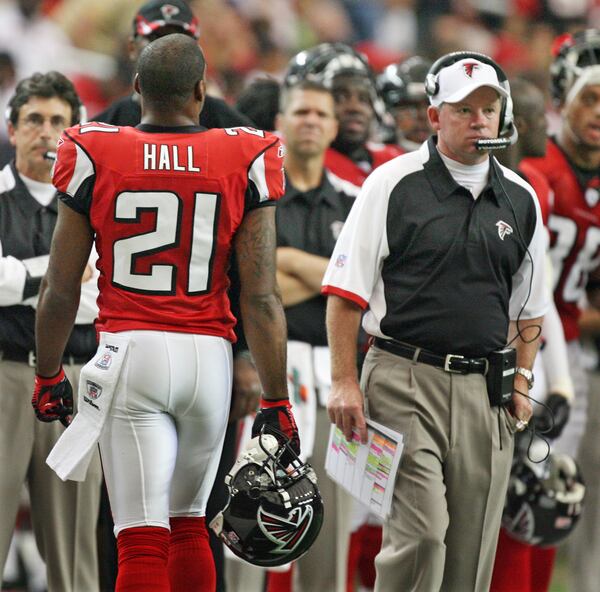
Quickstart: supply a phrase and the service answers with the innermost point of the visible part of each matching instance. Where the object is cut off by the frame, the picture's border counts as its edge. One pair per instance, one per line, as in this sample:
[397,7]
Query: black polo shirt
[437,268]
[310,221]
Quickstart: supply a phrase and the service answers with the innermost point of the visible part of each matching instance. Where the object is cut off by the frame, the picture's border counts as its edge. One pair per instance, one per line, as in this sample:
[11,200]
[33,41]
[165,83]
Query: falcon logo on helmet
[469,68]
[286,533]
[274,513]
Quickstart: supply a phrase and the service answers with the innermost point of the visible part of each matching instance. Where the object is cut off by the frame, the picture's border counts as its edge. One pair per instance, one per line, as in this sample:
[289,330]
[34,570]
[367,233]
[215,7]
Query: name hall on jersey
[166,157]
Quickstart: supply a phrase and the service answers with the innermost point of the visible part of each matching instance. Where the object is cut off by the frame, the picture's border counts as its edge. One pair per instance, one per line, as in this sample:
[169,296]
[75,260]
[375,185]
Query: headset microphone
[498,143]
[49,155]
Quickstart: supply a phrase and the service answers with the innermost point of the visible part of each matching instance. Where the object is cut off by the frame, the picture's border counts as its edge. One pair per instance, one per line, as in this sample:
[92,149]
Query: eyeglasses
[36,121]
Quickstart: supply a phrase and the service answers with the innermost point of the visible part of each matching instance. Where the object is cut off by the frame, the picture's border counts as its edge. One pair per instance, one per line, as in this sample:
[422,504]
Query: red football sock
[143,555]
[371,545]
[354,551]
[542,564]
[280,581]
[191,564]
[512,567]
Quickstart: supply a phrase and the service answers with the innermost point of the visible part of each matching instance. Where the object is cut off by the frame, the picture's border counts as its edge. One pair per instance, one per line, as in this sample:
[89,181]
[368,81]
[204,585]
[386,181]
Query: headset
[508,133]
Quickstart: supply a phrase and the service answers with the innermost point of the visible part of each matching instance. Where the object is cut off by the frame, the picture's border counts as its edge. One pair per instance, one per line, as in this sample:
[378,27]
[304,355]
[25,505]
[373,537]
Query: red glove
[53,398]
[278,414]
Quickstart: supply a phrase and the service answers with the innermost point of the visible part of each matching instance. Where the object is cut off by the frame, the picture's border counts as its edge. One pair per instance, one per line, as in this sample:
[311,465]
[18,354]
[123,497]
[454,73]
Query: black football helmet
[572,54]
[324,62]
[404,82]
[274,513]
[544,500]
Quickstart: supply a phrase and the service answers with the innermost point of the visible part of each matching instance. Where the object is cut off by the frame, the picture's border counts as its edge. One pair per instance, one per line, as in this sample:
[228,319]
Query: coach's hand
[520,406]
[345,408]
[53,398]
[277,413]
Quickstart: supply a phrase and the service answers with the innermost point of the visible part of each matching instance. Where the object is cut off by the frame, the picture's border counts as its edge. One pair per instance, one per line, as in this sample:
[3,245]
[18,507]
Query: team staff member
[520,567]
[64,514]
[435,247]
[309,218]
[165,222]
[571,166]
[153,20]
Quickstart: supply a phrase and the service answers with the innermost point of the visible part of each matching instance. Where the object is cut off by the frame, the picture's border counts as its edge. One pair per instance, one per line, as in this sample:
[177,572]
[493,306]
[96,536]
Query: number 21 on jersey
[168,209]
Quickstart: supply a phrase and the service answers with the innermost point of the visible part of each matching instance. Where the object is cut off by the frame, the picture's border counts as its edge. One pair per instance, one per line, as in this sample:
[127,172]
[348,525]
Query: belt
[450,362]
[28,357]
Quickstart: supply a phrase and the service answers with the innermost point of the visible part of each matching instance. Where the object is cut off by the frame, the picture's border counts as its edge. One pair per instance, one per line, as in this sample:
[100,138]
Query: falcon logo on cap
[469,67]
[169,11]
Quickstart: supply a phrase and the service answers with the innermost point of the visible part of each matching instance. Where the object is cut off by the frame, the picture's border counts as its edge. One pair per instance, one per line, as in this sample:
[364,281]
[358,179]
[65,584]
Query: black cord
[530,286]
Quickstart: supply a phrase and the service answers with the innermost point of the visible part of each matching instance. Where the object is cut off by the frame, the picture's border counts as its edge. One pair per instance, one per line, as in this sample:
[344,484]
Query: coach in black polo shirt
[445,248]
[310,217]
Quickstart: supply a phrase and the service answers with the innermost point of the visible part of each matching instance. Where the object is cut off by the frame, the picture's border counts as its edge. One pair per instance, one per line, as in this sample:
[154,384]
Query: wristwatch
[528,374]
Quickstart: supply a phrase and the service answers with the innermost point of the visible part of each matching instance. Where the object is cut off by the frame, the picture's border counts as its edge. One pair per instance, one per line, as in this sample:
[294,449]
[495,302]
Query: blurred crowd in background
[248,39]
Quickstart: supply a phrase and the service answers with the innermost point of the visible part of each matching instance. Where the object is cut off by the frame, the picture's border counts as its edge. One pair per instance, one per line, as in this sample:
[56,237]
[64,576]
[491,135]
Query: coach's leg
[65,513]
[17,423]
[412,399]
[317,569]
[477,473]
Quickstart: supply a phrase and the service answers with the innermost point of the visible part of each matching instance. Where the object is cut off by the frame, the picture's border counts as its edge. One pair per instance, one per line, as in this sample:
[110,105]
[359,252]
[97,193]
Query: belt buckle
[31,359]
[448,361]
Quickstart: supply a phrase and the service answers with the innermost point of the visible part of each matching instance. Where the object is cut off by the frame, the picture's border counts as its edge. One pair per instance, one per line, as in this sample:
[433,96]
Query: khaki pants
[64,514]
[452,480]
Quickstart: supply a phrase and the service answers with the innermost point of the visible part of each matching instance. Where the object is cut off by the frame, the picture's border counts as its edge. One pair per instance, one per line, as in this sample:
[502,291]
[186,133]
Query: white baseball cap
[457,81]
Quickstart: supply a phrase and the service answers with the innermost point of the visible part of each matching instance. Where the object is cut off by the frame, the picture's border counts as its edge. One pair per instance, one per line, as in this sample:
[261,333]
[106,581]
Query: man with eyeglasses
[64,515]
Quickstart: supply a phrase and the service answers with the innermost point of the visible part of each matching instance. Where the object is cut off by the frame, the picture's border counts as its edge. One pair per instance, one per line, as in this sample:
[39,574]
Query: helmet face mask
[274,513]
[544,500]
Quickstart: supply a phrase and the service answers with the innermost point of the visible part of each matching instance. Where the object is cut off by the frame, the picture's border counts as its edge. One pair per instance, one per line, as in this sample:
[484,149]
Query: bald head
[169,70]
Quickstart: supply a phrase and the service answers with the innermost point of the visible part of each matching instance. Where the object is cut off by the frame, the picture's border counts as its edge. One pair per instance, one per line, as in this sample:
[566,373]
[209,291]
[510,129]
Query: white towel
[72,453]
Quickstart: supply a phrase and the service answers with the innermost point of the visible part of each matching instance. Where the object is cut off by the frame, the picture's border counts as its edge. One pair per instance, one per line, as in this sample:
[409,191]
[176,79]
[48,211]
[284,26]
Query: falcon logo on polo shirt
[504,229]
[469,67]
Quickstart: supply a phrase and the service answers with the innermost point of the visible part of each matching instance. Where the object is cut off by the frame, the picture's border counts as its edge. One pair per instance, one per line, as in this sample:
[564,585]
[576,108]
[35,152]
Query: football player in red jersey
[166,203]
[521,567]
[352,156]
[571,166]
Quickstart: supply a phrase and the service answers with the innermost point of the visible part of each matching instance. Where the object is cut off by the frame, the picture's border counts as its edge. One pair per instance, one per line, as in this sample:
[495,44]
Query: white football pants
[162,441]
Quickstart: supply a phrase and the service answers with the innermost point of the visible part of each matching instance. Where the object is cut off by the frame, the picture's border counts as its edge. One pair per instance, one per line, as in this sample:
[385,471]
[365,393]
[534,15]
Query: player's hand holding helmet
[551,421]
[53,398]
[277,413]
[275,511]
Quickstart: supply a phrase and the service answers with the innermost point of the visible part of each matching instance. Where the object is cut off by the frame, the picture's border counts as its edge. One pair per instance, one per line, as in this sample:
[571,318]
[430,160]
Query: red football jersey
[574,225]
[347,170]
[540,184]
[165,204]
